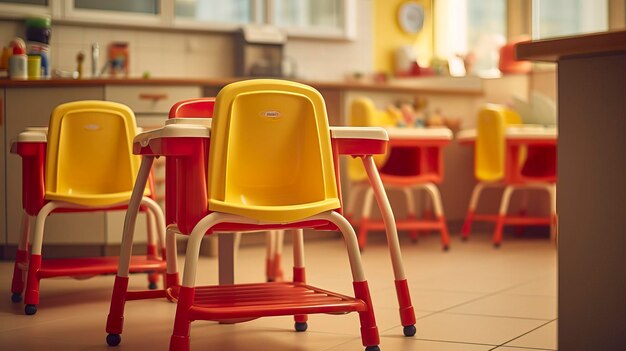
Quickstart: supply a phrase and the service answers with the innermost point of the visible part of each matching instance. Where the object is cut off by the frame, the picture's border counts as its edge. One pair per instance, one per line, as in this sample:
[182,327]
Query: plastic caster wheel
[409,330]
[113,339]
[30,309]
[372,348]
[301,326]
[152,286]
[16,297]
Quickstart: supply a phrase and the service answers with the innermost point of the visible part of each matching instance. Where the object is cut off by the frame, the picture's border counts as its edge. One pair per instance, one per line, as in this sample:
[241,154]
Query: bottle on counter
[38,33]
[18,61]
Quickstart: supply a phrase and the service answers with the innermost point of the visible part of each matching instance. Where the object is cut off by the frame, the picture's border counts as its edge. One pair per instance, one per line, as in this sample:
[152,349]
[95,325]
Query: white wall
[198,54]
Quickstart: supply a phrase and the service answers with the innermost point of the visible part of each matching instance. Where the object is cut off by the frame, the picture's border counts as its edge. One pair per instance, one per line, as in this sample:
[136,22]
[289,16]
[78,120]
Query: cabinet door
[25,107]
[3,196]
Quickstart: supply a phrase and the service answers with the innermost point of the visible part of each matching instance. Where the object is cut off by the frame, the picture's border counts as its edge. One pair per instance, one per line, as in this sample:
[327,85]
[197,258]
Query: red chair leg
[115,319]
[467,225]
[31,297]
[407,313]
[497,234]
[182,325]
[300,320]
[19,272]
[445,235]
[369,330]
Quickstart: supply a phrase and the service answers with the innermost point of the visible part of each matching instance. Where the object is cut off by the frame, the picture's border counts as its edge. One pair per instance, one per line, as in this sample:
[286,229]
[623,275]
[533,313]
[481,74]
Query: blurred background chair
[203,108]
[414,161]
[82,162]
[510,155]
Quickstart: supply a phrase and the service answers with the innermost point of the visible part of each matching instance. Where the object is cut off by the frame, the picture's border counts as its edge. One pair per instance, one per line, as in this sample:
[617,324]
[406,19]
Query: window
[26,2]
[135,6]
[320,14]
[473,29]
[220,11]
[555,18]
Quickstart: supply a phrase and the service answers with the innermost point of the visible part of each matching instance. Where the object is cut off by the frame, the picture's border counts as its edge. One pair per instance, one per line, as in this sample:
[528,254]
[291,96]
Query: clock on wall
[411,17]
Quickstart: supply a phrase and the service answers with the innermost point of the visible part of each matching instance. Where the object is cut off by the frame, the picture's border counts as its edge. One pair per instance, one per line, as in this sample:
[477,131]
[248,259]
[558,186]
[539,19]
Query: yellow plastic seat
[253,130]
[89,159]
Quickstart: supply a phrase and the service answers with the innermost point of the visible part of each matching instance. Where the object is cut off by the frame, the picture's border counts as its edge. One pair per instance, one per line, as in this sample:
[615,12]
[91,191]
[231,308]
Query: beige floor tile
[545,287]
[472,329]
[410,344]
[544,337]
[510,305]
[72,313]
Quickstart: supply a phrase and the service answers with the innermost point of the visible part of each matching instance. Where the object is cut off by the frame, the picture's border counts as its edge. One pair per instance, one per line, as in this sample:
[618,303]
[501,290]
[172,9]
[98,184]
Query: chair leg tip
[301,326]
[30,309]
[114,339]
[372,348]
[409,330]
[15,297]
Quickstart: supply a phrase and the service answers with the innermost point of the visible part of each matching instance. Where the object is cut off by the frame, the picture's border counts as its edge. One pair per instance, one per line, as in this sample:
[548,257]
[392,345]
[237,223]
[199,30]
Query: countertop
[553,50]
[422,85]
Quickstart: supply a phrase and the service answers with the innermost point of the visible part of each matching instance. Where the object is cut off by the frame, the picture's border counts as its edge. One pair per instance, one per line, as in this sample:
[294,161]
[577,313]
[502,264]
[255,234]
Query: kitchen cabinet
[3,196]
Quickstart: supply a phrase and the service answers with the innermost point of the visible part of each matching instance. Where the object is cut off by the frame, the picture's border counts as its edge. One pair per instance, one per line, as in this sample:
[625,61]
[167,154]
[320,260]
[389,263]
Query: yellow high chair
[523,162]
[414,161]
[271,166]
[89,166]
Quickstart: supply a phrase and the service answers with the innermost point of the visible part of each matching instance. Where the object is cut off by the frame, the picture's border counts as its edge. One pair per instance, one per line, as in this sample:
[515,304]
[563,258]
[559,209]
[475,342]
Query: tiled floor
[473,297]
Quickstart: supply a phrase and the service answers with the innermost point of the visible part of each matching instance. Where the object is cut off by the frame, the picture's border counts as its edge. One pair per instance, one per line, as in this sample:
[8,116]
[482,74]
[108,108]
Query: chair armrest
[177,139]
[466,136]
[358,141]
[31,147]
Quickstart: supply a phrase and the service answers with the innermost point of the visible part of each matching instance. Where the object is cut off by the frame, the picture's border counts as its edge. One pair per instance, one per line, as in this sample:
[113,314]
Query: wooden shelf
[553,50]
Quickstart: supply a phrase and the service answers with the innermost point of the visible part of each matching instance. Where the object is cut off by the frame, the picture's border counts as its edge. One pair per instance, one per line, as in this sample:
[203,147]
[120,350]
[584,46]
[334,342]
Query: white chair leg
[504,207]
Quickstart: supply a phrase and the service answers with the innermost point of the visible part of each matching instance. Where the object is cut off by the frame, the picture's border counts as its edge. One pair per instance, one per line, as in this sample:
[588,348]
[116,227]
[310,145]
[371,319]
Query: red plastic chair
[414,162]
[57,178]
[203,108]
[201,211]
[516,157]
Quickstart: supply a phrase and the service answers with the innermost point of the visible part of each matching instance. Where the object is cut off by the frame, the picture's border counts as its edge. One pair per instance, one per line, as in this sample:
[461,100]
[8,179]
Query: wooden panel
[592,216]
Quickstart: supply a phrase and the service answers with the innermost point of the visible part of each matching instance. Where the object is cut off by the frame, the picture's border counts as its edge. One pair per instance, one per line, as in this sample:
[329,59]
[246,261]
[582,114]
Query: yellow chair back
[270,155]
[363,113]
[490,146]
[89,158]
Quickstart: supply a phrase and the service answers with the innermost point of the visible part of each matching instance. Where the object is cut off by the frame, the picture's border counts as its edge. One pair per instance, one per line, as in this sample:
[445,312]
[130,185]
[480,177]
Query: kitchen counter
[433,85]
[590,186]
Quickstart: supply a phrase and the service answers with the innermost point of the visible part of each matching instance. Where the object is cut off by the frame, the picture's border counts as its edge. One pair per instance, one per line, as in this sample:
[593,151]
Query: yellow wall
[388,36]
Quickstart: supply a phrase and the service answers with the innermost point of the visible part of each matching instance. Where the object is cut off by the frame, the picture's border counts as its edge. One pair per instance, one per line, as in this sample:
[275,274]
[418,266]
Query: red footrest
[248,301]
[88,266]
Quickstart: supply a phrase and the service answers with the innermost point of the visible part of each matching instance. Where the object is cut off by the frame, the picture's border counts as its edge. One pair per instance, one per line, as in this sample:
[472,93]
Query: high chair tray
[76,267]
[241,301]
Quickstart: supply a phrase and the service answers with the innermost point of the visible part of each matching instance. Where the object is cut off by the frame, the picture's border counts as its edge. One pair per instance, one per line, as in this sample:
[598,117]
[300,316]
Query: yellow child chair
[497,164]
[89,166]
[409,164]
[271,166]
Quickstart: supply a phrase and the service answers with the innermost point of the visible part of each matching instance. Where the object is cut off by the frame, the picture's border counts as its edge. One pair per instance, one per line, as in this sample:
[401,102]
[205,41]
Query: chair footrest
[406,224]
[249,301]
[89,266]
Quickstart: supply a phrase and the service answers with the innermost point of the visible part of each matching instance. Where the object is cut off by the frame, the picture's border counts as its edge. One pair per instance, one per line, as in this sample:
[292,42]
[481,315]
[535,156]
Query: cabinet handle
[153,97]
